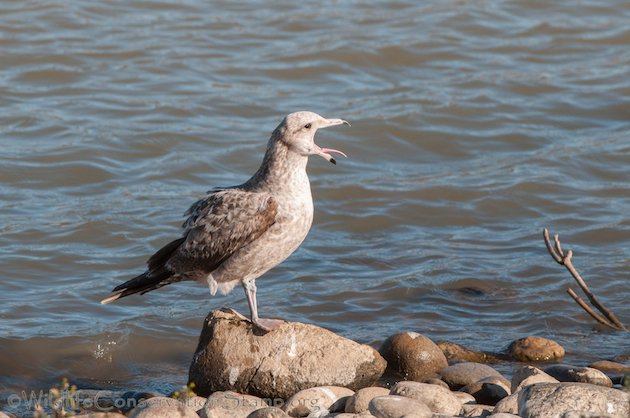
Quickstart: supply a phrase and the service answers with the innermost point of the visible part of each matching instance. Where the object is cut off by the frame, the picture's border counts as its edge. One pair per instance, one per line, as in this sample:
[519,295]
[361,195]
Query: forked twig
[609,318]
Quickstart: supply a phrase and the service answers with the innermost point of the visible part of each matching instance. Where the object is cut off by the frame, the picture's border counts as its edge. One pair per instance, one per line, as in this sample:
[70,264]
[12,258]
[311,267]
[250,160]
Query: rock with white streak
[551,400]
[294,357]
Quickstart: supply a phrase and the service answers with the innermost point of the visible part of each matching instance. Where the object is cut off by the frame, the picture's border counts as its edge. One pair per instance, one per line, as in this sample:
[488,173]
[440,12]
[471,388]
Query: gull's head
[297,132]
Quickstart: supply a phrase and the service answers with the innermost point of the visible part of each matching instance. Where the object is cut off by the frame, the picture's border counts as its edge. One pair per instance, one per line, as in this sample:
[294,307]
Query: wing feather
[219,225]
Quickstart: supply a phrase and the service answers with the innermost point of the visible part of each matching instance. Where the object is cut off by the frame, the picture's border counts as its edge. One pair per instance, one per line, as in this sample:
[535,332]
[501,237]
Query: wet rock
[162,407]
[476,410]
[488,390]
[294,357]
[269,412]
[392,406]
[508,405]
[360,401]
[317,400]
[412,356]
[437,398]
[555,399]
[535,349]
[456,353]
[231,404]
[461,374]
[610,367]
[567,373]
[131,399]
[528,375]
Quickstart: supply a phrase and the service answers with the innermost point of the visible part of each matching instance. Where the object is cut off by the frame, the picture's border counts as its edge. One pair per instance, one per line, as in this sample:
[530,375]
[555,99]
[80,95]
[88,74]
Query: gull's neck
[281,169]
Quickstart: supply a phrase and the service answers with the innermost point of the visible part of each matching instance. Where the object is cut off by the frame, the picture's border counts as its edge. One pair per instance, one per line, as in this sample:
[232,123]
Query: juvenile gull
[236,234]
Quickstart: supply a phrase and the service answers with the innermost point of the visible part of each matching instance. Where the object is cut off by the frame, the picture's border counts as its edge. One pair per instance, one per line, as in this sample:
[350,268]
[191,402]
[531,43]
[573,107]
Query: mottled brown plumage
[236,234]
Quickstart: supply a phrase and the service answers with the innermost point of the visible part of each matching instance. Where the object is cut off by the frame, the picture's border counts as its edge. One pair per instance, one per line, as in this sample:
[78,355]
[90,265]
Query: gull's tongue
[329,150]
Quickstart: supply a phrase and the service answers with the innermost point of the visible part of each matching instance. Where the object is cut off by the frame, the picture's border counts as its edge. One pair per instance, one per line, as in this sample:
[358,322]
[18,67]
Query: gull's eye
[307,126]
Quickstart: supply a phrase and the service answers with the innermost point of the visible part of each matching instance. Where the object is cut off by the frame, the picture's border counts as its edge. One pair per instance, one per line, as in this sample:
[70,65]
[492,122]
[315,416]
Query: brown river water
[474,125]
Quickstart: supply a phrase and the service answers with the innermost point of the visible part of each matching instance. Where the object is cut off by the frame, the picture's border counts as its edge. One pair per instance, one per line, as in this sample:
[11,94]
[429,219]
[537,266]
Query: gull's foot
[267,324]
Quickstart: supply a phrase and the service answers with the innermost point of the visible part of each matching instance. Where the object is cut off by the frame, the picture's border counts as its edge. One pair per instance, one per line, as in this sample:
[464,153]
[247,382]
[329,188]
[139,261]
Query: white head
[297,132]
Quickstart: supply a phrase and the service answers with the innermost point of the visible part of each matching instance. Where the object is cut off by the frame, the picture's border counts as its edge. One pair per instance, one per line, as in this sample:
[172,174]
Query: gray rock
[231,404]
[392,406]
[162,407]
[567,373]
[555,399]
[528,375]
[507,405]
[488,390]
[461,374]
[412,356]
[476,410]
[317,401]
[360,401]
[437,398]
[535,349]
[269,412]
[278,364]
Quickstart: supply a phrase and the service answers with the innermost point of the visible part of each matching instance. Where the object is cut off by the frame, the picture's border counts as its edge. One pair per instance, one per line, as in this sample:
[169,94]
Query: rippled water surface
[474,125]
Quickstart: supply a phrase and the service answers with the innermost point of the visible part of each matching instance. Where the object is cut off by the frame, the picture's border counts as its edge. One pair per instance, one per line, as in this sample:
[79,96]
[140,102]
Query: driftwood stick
[587,308]
[609,318]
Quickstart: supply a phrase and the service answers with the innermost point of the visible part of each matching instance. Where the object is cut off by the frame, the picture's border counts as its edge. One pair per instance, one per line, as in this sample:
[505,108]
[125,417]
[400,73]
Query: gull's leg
[262,323]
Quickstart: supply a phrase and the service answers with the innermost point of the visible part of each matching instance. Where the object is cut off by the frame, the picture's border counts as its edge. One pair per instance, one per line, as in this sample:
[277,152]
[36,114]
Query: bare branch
[551,250]
[609,319]
[587,308]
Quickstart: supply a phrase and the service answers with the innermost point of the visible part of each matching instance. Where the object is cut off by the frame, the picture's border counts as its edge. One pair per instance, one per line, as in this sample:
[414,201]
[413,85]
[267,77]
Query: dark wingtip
[332,160]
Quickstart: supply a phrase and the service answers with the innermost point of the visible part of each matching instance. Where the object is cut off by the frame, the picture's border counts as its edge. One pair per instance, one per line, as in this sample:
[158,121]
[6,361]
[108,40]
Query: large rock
[437,398]
[544,400]
[360,401]
[535,349]
[412,356]
[567,373]
[162,407]
[392,406]
[461,374]
[294,357]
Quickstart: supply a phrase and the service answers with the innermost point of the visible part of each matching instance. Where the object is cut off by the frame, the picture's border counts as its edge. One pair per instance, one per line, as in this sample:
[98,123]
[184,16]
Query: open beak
[325,152]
